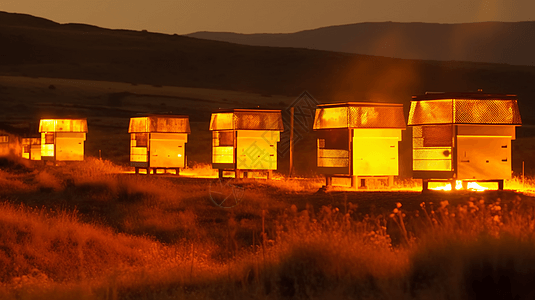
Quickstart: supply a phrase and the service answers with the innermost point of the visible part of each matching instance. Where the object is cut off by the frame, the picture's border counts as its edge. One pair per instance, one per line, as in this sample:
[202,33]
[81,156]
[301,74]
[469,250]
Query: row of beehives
[456,136]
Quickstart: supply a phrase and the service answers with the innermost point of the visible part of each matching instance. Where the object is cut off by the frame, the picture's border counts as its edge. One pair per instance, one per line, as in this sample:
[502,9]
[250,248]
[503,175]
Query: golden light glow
[470,186]
[476,187]
[439,186]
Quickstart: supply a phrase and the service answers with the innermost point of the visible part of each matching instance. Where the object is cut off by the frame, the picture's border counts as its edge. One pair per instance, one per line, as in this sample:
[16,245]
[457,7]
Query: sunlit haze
[266,16]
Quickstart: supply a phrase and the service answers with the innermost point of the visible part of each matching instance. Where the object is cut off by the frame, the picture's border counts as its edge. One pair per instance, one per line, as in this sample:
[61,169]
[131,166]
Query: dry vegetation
[90,231]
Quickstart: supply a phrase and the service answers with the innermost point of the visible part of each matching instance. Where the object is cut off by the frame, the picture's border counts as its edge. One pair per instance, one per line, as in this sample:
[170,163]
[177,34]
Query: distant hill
[493,42]
[37,47]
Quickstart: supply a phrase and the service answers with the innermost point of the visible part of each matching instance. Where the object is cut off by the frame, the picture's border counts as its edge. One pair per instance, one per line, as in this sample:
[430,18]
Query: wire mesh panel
[160,123]
[262,120]
[464,111]
[247,120]
[431,112]
[437,135]
[222,121]
[359,115]
[138,124]
[63,125]
[486,111]
[376,117]
[331,117]
[169,124]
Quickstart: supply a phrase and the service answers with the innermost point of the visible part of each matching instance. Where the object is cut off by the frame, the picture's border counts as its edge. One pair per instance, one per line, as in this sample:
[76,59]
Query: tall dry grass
[92,233]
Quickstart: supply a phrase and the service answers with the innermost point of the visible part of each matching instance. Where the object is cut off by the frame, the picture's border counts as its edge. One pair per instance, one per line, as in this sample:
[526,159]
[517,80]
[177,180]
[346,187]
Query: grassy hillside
[36,47]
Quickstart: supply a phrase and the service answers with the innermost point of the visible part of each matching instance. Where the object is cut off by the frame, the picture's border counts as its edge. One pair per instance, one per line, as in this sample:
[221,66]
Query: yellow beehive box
[245,140]
[358,139]
[463,136]
[63,139]
[31,148]
[158,142]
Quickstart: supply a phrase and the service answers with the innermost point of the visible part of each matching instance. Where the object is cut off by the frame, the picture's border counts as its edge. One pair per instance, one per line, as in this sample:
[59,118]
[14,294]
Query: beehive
[358,140]
[463,136]
[31,148]
[245,140]
[63,139]
[158,142]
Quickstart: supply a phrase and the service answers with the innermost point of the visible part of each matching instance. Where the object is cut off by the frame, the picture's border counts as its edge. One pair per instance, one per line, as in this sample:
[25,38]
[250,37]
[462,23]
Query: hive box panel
[168,149]
[70,146]
[483,157]
[375,151]
[257,150]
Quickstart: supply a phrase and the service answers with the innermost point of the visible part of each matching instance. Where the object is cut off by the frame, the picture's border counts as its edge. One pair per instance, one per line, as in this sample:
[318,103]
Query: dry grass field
[93,231]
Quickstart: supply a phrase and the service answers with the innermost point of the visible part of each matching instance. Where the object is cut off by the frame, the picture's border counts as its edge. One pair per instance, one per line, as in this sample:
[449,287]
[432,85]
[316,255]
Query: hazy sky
[272,16]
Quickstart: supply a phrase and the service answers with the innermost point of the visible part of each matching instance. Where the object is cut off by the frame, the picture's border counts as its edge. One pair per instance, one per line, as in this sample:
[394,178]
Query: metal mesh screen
[376,117]
[63,125]
[331,117]
[169,124]
[247,120]
[437,135]
[173,124]
[487,111]
[138,125]
[360,116]
[431,112]
[464,111]
[258,120]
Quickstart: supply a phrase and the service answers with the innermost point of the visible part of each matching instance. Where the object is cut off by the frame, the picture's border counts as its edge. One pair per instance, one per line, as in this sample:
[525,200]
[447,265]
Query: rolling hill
[38,47]
[492,42]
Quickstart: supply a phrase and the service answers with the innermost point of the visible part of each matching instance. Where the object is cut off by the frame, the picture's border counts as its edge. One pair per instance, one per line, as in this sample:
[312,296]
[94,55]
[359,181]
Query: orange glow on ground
[470,186]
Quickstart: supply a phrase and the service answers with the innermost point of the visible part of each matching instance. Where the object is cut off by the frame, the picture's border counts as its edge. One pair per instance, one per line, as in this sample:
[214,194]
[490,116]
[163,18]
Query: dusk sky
[266,16]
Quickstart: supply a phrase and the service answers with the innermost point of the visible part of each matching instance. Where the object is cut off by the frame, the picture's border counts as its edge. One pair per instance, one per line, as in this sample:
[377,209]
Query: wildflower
[398,204]
[396,210]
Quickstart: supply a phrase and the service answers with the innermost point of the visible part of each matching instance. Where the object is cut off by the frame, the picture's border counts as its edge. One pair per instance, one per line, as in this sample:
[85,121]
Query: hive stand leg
[354,182]
[328,181]
[137,170]
[238,174]
[390,181]
[220,173]
[425,185]
[363,183]
[269,174]
[500,185]
[177,171]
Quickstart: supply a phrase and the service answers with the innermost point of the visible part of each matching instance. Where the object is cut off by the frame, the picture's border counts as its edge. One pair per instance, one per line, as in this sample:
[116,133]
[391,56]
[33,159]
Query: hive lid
[247,119]
[464,108]
[160,123]
[359,115]
[63,125]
